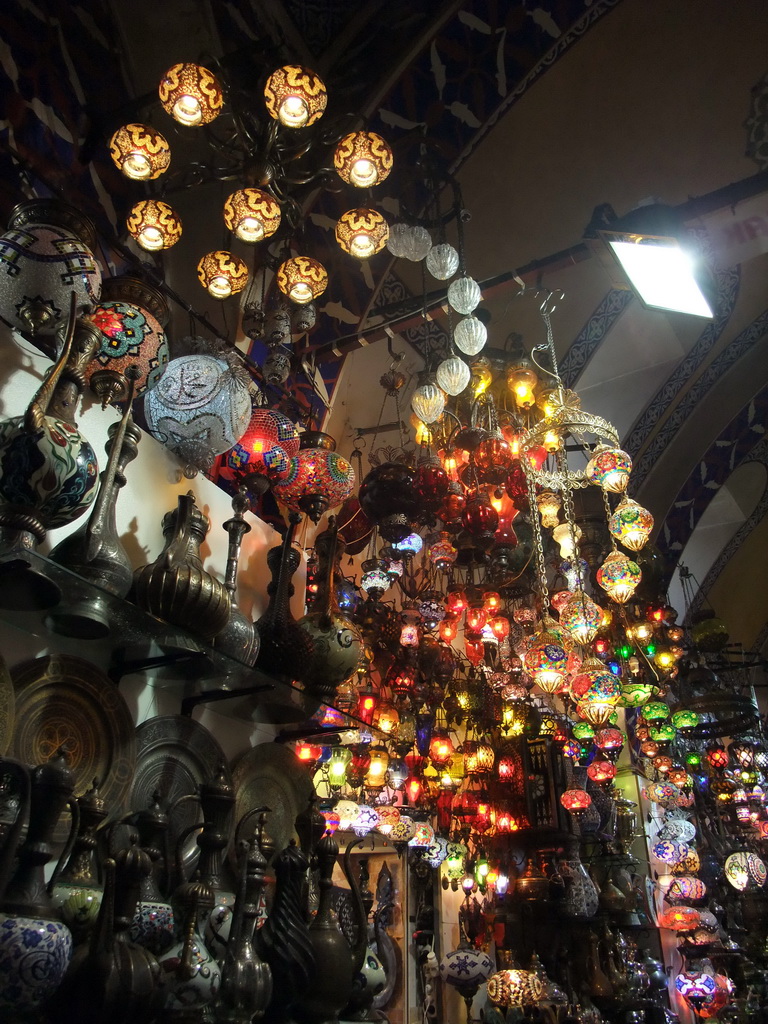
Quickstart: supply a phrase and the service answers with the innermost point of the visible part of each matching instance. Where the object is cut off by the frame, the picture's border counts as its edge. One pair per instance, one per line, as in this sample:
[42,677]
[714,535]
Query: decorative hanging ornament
[222,274]
[442,261]
[140,152]
[302,279]
[631,524]
[609,468]
[581,617]
[295,96]
[409,242]
[154,225]
[453,376]
[464,294]
[619,577]
[252,214]
[428,401]
[470,335]
[45,255]
[363,159]
[199,408]
[191,94]
[319,478]
[362,232]
[263,454]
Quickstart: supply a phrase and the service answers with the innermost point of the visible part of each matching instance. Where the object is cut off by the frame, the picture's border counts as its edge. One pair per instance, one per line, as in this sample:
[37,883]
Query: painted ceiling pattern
[464,66]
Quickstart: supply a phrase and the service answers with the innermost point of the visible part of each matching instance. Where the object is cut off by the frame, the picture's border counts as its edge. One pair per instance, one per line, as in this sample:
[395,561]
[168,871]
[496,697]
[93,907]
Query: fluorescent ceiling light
[661,272]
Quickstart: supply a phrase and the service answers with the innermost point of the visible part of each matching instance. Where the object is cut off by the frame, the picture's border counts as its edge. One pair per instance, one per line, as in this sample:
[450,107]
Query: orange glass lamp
[154,225]
[377,769]
[362,232]
[602,771]
[521,381]
[252,214]
[139,152]
[295,96]
[440,748]
[191,94]
[576,801]
[302,279]
[363,159]
[222,274]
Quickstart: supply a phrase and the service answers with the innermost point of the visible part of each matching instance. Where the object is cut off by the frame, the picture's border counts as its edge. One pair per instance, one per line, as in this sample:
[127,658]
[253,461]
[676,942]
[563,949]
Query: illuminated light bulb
[552,441]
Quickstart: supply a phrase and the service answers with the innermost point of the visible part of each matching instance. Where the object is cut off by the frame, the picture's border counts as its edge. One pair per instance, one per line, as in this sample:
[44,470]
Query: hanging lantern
[154,225]
[679,919]
[602,771]
[375,579]
[362,232]
[696,987]
[222,274]
[567,537]
[453,376]
[363,159]
[549,505]
[581,617]
[609,468]
[410,242]
[191,94]
[319,478]
[376,777]
[265,450]
[610,740]
[302,279]
[139,152]
[576,801]
[440,748]
[252,214]
[470,335]
[199,408]
[464,295]
[428,402]
[631,524]
[45,255]
[442,261]
[295,96]
[514,987]
[130,319]
[546,659]
[337,766]
[403,831]
[347,811]
[635,693]
[619,577]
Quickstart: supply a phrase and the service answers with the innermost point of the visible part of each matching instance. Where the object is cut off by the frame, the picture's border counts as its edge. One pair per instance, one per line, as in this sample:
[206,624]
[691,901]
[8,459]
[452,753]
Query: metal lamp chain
[540,564]
[570,514]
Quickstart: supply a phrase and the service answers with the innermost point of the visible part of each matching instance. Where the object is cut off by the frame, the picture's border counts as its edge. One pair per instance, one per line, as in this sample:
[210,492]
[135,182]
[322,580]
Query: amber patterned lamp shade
[191,94]
[252,214]
[302,279]
[362,232]
[319,478]
[222,274]
[295,96]
[140,152]
[154,225]
[363,159]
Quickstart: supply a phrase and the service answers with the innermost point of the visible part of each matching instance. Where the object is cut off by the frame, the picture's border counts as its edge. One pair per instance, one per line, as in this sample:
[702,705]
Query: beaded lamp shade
[45,255]
[191,94]
[199,408]
[318,479]
[631,524]
[252,214]
[265,450]
[222,274]
[131,336]
[302,279]
[295,96]
[362,159]
[140,152]
[154,225]
[362,232]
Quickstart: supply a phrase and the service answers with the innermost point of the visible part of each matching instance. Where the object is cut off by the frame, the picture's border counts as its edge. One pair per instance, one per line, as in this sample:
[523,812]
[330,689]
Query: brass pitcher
[175,587]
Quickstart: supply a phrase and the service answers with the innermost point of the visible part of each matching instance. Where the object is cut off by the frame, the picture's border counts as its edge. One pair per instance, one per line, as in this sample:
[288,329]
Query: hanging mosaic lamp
[609,468]
[631,524]
[581,617]
[363,159]
[130,317]
[319,478]
[140,152]
[464,295]
[191,94]
[263,454]
[470,335]
[45,255]
[222,274]
[302,279]
[199,408]
[252,214]
[362,232]
[619,577]
[375,579]
[546,659]
[576,800]
[295,96]
[154,225]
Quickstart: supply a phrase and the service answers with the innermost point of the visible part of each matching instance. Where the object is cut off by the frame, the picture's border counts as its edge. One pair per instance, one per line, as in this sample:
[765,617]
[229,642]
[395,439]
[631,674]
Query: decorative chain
[569,512]
[608,514]
[540,564]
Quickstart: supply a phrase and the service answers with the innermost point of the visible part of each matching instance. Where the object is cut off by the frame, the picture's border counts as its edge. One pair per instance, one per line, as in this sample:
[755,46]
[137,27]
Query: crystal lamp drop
[464,295]
[442,261]
[428,402]
[415,242]
[470,335]
[453,375]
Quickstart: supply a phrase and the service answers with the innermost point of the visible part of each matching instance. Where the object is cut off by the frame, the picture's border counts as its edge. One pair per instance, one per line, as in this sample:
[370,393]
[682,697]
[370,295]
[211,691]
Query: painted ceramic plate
[65,702]
[174,755]
[271,775]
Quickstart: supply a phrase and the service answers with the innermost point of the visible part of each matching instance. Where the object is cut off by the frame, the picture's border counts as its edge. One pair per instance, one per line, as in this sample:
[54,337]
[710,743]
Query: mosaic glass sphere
[466,968]
[130,336]
[318,479]
[631,524]
[199,408]
[266,448]
[619,577]
[609,468]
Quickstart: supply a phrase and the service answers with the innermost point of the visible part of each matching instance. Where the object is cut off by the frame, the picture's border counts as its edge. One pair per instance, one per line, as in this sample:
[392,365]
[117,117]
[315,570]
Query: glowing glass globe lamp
[302,279]
[363,159]
[619,577]
[362,232]
[154,225]
[191,94]
[631,524]
[252,214]
[139,152]
[581,617]
[295,96]
[609,468]
[222,274]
